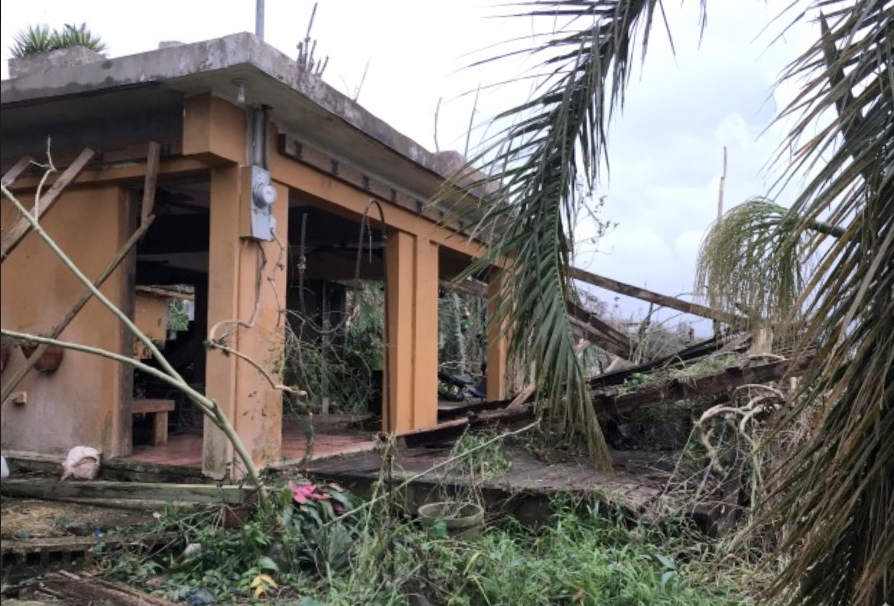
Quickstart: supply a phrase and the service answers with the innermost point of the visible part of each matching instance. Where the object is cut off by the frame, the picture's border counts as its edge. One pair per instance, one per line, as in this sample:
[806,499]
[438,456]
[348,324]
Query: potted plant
[461,520]
[38,48]
[49,360]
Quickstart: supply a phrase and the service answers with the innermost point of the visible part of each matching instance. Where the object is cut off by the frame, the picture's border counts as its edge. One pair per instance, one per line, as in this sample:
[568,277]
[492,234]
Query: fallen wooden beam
[600,332]
[42,206]
[679,359]
[652,297]
[93,591]
[430,436]
[472,408]
[612,401]
[54,490]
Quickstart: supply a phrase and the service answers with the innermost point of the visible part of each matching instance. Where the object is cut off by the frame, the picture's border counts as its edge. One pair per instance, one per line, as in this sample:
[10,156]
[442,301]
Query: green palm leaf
[836,496]
[554,143]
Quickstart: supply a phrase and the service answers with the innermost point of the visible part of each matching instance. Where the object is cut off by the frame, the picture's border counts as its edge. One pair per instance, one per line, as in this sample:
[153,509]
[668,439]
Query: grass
[289,555]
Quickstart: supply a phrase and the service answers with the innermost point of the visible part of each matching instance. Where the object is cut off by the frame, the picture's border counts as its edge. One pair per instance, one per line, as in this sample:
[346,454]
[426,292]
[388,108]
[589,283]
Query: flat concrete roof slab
[301,104]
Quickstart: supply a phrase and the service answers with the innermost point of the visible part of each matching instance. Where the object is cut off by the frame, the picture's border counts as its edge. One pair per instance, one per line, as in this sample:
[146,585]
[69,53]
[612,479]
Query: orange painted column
[235,290]
[496,342]
[411,345]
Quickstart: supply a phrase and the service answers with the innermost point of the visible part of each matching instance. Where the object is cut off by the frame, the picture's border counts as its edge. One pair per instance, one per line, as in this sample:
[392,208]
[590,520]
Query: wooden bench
[160,410]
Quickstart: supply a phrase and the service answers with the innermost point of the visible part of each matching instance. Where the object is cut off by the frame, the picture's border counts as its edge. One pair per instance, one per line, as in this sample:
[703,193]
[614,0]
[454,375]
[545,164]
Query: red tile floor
[333,435]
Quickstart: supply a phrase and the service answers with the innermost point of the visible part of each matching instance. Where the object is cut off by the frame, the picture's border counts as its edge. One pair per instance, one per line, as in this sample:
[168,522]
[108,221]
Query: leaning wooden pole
[148,216]
[43,204]
[23,370]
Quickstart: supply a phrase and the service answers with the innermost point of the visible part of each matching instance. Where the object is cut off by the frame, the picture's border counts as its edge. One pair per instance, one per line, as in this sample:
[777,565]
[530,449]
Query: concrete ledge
[213,66]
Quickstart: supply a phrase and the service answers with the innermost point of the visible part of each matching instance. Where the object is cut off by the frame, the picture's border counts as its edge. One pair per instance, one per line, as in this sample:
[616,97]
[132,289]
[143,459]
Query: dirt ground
[24,519]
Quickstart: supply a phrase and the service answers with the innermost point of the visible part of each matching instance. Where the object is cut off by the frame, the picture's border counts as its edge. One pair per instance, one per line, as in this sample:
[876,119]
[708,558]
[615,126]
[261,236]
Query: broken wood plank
[54,490]
[602,333]
[430,436]
[16,170]
[471,408]
[679,359]
[42,206]
[93,591]
[652,297]
[612,402]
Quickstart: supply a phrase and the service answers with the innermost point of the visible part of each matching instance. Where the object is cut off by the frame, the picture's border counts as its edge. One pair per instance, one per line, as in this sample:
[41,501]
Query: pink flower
[306,491]
[301,493]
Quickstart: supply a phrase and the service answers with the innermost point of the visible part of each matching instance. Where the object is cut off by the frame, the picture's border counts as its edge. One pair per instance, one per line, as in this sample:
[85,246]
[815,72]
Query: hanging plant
[49,360]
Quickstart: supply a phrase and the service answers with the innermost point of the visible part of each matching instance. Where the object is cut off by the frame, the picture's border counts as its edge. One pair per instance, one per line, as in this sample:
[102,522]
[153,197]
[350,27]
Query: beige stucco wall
[80,403]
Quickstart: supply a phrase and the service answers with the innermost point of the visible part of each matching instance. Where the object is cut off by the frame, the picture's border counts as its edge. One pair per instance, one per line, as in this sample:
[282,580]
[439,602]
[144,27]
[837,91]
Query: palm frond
[749,264]
[836,496]
[554,142]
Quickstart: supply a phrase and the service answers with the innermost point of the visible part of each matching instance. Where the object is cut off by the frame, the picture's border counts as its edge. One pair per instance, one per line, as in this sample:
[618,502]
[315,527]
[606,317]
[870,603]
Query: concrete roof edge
[162,66]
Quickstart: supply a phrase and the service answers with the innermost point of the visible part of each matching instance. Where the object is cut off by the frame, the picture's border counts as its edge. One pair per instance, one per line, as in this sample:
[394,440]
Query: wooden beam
[17,169]
[678,359]
[652,297]
[611,401]
[152,161]
[54,490]
[42,206]
[600,332]
[472,408]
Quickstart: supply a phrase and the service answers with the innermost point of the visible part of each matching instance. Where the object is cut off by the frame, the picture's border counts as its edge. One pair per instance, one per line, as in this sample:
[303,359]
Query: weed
[582,557]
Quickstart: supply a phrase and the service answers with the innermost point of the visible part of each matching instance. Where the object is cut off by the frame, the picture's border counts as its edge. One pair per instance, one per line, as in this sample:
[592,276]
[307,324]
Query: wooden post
[425,335]
[236,290]
[410,398]
[496,341]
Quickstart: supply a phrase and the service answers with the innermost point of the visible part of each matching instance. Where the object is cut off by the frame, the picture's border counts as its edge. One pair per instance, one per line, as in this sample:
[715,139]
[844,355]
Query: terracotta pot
[49,360]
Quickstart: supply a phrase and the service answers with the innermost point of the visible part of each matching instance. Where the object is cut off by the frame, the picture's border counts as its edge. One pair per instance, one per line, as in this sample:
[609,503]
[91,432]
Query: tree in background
[836,496]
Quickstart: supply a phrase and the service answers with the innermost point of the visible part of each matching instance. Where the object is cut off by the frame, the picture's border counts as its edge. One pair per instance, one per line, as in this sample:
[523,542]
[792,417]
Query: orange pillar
[248,400]
[496,341]
[411,347]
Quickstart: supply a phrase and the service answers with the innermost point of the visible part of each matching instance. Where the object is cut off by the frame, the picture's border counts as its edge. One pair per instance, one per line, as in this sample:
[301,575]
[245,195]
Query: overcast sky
[665,149]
